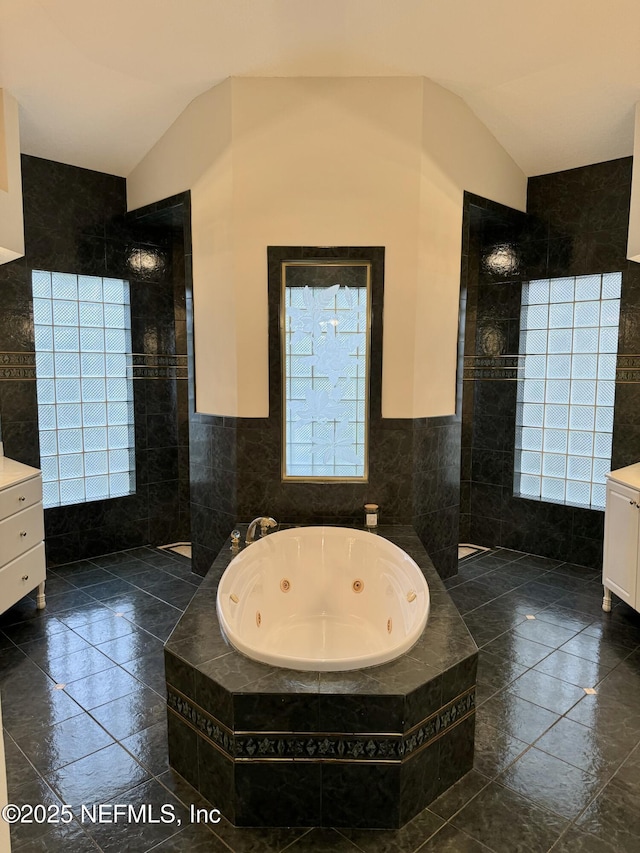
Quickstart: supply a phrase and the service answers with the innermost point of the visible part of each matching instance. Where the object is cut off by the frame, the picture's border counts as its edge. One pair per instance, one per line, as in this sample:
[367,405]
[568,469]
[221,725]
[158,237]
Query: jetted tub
[323,598]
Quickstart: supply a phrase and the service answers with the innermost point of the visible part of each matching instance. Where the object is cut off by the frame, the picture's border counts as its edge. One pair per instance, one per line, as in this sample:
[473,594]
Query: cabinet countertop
[629,476]
[12,472]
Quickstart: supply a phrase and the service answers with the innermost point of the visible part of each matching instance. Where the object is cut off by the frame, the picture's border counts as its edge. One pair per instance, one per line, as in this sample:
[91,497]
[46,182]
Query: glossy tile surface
[555,769]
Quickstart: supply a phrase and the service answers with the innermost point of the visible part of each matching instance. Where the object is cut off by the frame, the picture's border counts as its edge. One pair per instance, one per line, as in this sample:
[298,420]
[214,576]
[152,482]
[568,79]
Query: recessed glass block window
[564,420]
[85,387]
[325,354]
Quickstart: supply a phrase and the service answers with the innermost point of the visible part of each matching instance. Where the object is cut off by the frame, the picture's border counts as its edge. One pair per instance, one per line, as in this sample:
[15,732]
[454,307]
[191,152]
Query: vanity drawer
[17,498]
[22,575]
[20,532]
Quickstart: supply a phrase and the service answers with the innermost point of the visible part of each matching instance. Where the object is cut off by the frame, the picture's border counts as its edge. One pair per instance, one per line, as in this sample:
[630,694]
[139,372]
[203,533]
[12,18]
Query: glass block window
[325,360]
[84,386]
[564,421]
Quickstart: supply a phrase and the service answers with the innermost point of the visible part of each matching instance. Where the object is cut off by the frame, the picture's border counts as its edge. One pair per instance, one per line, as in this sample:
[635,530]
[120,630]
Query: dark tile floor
[556,768]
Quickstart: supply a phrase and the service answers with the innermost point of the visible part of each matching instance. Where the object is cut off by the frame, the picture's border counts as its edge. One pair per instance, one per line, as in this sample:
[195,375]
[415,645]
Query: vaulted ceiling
[556,81]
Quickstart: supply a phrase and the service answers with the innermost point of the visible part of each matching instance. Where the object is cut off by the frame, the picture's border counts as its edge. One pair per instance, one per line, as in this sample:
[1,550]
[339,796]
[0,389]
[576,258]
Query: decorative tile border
[628,368]
[505,367]
[22,365]
[17,365]
[283,746]
[319,747]
[447,717]
[492,367]
[159,366]
[213,730]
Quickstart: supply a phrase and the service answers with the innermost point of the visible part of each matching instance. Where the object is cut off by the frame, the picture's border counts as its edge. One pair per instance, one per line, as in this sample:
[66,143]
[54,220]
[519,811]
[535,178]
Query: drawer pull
[25,577]
[22,498]
[23,533]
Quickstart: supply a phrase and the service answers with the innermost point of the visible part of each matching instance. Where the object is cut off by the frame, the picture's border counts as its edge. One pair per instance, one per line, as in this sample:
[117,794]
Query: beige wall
[11,220]
[4,172]
[318,161]
[633,244]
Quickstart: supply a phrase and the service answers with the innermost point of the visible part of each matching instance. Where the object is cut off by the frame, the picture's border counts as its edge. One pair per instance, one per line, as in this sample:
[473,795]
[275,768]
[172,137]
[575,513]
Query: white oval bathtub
[323,598]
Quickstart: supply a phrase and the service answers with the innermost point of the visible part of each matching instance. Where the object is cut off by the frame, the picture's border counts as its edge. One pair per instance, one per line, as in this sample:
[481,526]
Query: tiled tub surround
[366,748]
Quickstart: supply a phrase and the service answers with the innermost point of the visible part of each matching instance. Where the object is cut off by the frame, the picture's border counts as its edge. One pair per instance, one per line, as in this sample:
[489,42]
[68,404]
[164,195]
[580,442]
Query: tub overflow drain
[258,618]
[389,625]
[358,585]
[285,586]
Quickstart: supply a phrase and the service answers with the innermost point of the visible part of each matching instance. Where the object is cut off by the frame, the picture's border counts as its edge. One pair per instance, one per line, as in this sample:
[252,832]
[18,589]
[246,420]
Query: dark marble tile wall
[206,443]
[180,258]
[75,222]
[436,489]
[491,310]
[212,449]
[159,320]
[260,489]
[577,224]
[466,326]
[580,220]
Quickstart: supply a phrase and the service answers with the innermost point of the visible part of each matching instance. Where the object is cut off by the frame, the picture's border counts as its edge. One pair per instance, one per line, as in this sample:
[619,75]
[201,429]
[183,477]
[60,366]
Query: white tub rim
[315,664]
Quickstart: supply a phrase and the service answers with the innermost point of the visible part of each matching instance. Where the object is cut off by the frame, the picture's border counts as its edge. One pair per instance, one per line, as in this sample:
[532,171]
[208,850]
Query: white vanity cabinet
[22,557]
[621,562]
